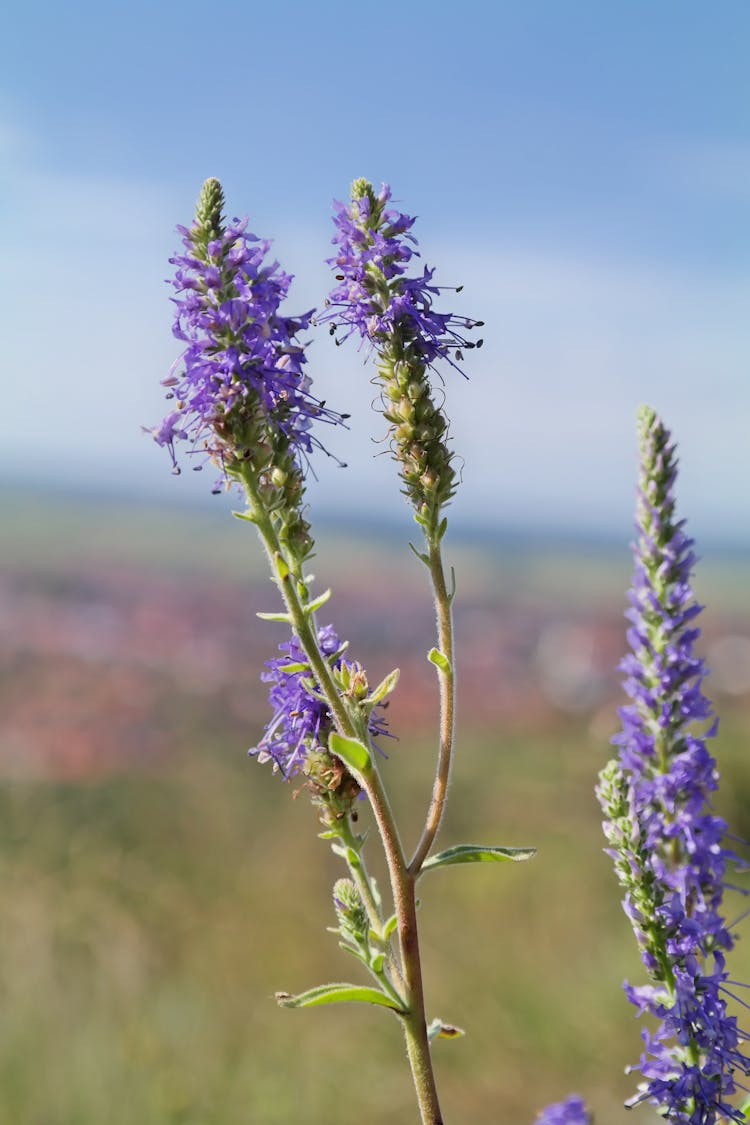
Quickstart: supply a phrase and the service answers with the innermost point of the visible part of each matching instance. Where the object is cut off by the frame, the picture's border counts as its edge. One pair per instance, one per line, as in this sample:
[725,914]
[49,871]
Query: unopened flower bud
[350,912]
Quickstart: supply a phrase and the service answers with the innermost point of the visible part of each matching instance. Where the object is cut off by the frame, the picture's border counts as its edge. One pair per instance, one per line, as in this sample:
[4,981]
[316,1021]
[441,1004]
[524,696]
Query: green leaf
[375,892]
[351,751]
[311,688]
[439,1030]
[452,593]
[317,603]
[336,994]
[348,854]
[476,853]
[289,669]
[440,660]
[275,617]
[248,517]
[377,962]
[420,555]
[389,926]
[385,687]
[282,566]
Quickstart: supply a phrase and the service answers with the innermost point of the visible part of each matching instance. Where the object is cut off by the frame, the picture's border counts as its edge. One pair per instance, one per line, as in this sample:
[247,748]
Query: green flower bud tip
[352,679]
[350,911]
[209,210]
[361,188]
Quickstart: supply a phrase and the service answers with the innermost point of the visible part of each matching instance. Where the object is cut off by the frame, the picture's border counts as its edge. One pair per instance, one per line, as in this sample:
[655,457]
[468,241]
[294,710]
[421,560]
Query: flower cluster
[572,1111]
[666,842]
[376,299]
[239,387]
[374,296]
[302,722]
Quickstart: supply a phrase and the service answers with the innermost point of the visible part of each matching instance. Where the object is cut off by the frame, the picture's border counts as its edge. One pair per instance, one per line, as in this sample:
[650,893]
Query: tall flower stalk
[393,312]
[241,399]
[666,841]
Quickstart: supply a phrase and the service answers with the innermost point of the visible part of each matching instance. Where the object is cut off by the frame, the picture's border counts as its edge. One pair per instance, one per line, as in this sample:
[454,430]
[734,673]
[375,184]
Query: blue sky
[582,168]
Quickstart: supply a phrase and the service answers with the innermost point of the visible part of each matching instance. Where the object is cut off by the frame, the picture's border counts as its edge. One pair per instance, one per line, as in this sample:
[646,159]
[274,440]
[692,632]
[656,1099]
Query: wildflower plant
[666,842]
[241,399]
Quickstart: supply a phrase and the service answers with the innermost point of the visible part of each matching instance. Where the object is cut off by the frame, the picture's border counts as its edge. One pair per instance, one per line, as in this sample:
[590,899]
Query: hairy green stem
[401,879]
[403,886]
[447,686]
[360,875]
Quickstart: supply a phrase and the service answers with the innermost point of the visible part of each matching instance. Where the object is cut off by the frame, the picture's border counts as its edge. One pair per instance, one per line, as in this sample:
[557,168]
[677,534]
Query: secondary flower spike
[664,838]
[239,392]
[302,721]
[376,299]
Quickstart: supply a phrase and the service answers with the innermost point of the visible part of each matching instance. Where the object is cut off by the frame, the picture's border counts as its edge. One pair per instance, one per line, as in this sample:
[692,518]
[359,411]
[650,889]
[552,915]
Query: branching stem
[290,582]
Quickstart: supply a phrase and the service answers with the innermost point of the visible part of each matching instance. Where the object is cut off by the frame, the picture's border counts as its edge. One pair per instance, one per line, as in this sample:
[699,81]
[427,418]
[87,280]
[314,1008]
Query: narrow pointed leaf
[390,926]
[476,853]
[350,750]
[317,603]
[274,617]
[336,994]
[420,555]
[385,687]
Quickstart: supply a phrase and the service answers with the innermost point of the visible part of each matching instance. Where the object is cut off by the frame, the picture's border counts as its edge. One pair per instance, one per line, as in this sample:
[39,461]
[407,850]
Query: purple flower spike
[239,386]
[375,296]
[572,1111]
[664,838]
[377,300]
[301,721]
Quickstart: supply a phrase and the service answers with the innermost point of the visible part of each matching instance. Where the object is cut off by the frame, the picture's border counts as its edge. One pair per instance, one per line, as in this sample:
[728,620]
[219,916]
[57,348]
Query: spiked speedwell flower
[375,297]
[394,313]
[572,1111]
[302,721]
[666,842]
[241,394]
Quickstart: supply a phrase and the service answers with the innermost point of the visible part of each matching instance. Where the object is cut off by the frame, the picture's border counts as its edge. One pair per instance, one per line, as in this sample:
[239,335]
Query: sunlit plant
[241,401]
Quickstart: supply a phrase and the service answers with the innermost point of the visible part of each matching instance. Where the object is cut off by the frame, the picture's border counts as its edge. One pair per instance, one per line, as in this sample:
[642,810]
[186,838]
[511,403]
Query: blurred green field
[147,920]
[148,916]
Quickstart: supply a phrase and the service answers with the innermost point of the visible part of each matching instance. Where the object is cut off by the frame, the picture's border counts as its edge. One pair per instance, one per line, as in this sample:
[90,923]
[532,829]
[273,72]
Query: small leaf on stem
[351,751]
[385,687]
[317,603]
[476,853]
[337,994]
[439,659]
